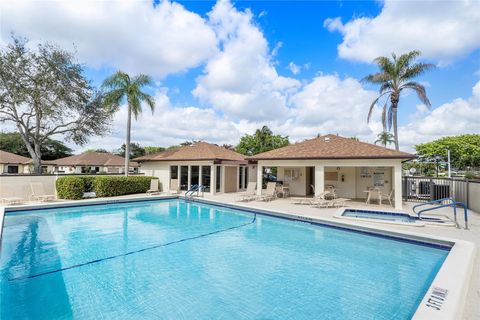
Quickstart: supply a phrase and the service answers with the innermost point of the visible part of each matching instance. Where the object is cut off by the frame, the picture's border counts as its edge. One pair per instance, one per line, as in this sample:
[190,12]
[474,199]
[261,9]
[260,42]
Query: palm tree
[122,87]
[396,75]
[385,138]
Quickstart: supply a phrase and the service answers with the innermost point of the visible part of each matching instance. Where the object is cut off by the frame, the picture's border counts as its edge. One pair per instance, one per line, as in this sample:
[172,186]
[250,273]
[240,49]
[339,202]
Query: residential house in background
[93,162]
[218,169]
[11,163]
[349,166]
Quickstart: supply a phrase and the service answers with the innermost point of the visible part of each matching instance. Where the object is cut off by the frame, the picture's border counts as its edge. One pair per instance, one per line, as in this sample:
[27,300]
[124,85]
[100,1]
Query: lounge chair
[153,187]
[250,194]
[174,189]
[11,200]
[309,200]
[38,192]
[270,193]
[320,201]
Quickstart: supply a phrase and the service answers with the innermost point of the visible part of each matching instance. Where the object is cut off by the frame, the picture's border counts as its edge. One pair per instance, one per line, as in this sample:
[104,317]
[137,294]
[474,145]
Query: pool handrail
[452,203]
[194,188]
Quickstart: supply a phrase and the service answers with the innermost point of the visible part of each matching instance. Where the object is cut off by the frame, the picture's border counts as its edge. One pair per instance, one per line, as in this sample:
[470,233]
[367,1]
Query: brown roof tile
[93,159]
[8,157]
[196,151]
[332,147]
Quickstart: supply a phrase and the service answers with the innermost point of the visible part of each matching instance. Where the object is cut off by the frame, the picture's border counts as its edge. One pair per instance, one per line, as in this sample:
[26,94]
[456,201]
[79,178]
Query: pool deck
[471,307]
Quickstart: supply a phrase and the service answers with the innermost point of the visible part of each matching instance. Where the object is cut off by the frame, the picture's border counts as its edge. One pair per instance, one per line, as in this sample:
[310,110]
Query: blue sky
[223,69]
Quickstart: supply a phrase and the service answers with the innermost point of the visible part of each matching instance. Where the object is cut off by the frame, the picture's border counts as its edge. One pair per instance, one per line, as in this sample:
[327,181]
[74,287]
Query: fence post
[431,189]
[466,190]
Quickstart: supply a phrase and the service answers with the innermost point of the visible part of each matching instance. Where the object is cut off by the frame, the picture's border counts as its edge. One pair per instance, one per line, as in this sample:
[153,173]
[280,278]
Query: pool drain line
[136,251]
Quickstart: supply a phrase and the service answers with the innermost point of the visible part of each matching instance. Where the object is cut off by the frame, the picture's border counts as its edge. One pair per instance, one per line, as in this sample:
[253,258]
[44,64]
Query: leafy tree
[228,146]
[395,76]
[44,93]
[121,88]
[464,150]
[354,138]
[261,141]
[135,150]
[50,149]
[385,138]
[101,150]
[151,150]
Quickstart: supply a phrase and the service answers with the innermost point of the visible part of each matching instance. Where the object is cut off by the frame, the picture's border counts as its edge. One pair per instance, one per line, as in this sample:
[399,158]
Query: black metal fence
[422,189]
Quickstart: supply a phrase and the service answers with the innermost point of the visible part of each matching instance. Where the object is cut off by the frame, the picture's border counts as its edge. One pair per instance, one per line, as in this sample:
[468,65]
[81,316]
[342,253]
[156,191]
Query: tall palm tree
[122,87]
[396,75]
[385,138]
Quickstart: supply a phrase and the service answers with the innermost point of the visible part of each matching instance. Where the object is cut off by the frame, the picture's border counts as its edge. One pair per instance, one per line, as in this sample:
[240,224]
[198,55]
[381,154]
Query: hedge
[73,188]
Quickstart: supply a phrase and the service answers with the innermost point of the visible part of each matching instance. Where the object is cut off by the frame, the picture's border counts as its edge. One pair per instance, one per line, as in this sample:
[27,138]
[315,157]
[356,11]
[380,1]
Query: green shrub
[111,186]
[88,182]
[71,188]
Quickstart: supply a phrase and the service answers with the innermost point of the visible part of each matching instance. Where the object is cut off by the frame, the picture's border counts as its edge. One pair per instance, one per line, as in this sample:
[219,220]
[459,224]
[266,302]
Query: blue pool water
[174,260]
[378,215]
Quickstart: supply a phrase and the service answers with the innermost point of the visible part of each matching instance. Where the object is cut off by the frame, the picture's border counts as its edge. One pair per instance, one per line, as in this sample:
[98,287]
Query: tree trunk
[34,151]
[395,128]
[127,142]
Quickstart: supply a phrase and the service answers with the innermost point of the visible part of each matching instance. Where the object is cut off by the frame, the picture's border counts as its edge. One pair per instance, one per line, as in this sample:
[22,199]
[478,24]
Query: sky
[222,69]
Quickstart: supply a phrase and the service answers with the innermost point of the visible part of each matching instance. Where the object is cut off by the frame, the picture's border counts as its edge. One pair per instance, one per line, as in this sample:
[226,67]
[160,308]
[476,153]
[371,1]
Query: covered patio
[352,169]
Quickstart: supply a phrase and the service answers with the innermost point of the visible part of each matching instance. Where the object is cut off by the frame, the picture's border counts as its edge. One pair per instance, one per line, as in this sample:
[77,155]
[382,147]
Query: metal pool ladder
[194,188]
[449,202]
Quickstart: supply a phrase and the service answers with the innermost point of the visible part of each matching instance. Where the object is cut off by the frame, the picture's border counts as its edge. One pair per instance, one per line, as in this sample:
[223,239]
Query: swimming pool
[170,259]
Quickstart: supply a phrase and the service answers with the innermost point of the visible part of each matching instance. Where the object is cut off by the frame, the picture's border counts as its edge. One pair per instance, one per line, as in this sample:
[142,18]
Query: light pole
[437,160]
[449,166]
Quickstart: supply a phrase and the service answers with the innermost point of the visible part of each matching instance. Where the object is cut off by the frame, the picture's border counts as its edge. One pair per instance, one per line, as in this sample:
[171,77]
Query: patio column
[397,173]
[189,177]
[319,179]
[259,179]
[213,179]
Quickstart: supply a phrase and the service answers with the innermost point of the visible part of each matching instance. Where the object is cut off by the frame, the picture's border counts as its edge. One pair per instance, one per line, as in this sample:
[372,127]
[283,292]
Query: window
[173,172]
[184,178]
[219,179]
[194,175]
[97,169]
[12,169]
[246,176]
[206,172]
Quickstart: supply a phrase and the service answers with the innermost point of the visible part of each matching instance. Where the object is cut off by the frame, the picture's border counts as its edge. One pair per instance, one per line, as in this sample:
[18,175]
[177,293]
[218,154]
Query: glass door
[206,178]
[184,178]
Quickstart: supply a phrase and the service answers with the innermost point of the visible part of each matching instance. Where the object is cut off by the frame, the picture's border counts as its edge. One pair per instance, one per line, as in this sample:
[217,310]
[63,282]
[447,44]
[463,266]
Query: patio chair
[389,196]
[174,188]
[270,193]
[38,192]
[153,187]
[11,200]
[320,201]
[248,195]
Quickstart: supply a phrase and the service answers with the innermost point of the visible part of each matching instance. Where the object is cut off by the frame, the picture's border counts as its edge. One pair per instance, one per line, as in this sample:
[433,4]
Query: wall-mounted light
[338,168]
[343,178]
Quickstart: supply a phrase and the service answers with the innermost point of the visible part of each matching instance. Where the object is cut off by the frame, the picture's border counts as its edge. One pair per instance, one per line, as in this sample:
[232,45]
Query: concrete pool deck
[471,307]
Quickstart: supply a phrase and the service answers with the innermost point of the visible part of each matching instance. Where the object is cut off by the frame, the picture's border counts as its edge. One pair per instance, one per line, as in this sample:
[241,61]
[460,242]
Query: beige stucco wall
[19,186]
[474,196]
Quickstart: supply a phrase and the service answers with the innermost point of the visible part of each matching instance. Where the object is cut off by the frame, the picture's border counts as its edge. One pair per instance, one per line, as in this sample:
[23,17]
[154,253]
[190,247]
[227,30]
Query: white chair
[38,192]
[153,187]
[270,192]
[248,195]
[174,188]
[389,196]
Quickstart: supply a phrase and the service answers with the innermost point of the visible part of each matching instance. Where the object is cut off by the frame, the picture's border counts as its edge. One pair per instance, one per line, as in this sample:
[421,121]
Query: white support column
[319,179]
[189,177]
[199,175]
[238,177]
[178,176]
[259,179]
[397,173]
[222,179]
[213,179]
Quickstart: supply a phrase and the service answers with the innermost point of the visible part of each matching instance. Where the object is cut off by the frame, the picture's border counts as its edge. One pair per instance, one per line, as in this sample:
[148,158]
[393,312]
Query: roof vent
[327,139]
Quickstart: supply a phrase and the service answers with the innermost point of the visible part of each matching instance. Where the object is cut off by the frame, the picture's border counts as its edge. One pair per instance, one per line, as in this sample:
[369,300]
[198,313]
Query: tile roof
[196,151]
[93,159]
[332,147]
[8,157]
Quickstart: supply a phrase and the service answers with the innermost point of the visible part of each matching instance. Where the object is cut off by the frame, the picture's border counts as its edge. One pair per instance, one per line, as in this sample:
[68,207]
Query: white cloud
[168,125]
[131,35]
[295,69]
[240,80]
[459,116]
[442,30]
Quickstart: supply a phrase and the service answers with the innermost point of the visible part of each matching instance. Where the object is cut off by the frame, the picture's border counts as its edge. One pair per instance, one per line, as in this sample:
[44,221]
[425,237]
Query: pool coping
[444,299]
